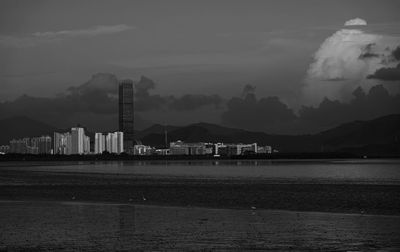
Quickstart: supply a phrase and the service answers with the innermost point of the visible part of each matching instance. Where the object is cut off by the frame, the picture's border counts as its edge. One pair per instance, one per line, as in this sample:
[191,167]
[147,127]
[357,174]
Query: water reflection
[377,171]
[127,224]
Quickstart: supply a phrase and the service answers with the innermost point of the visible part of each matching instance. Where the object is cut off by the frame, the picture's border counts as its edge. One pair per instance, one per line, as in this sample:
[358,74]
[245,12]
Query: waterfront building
[162,152]
[19,146]
[247,149]
[182,148]
[86,145]
[99,143]
[264,149]
[62,143]
[78,138]
[140,149]
[235,149]
[115,142]
[43,144]
[4,149]
[74,142]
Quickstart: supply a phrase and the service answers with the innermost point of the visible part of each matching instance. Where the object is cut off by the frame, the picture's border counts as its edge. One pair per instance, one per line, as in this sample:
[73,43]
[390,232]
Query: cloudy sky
[197,58]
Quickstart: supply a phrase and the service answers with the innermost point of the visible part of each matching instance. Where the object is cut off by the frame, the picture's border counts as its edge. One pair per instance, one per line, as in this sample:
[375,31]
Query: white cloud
[343,62]
[51,36]
[355,21]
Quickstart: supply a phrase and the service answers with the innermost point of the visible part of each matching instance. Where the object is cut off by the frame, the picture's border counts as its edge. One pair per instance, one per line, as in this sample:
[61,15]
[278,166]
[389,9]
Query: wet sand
[311,195]
[85,226]
[83,211]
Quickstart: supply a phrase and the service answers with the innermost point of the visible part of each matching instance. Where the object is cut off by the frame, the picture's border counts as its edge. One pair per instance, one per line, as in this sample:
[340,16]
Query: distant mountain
[155,129]
[378,132]
[381,135]
[382,130]
[19,127]
[204,132]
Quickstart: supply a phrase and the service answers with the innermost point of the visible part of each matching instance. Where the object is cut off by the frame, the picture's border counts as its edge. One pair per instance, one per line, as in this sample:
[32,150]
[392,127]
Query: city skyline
[199,125]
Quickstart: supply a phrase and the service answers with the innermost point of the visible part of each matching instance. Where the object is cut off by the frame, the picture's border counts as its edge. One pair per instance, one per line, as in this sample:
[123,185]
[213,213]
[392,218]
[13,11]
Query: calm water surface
[379,171]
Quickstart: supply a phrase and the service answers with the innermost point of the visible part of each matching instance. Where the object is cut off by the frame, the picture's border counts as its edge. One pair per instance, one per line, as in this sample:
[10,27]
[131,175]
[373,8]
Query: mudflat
[240,193]
[91,226]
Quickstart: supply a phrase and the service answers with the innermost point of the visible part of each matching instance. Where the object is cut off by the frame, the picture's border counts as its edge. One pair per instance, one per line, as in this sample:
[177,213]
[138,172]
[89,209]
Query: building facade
[78,139]
[34,145]
[74,142]
[99,143]
[126,113]
[115,142]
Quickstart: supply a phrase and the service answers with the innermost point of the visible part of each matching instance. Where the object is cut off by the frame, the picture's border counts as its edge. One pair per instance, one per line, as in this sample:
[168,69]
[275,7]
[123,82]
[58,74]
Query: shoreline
[105,203]
[125,157]
[210,193]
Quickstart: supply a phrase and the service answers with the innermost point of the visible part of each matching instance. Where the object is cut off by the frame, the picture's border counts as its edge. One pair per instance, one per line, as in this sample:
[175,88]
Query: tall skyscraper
[126,113]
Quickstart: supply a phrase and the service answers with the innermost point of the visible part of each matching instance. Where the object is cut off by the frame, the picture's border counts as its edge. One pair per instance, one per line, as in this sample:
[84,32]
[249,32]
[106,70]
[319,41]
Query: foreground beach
[336,205]
[83,226]
[238,193]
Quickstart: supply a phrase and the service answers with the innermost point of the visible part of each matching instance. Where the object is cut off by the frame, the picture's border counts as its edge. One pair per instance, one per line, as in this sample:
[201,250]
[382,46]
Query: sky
[197,58]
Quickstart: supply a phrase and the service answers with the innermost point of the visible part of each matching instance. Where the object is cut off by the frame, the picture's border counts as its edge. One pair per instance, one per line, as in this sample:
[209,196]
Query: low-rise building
[4,149]
[162,152]
[182,148]
[141,149]
[34,145]
[264,149]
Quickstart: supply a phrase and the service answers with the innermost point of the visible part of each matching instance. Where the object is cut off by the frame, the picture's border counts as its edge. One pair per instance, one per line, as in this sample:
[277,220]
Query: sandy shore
[214,193]
[83,226]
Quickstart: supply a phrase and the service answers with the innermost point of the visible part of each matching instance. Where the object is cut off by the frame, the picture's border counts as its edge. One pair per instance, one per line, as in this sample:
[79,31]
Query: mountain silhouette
[381,135]
[380,131]
[21,126]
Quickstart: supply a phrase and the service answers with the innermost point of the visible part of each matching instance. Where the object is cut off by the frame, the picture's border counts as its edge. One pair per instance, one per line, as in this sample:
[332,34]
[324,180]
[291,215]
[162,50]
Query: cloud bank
[38,38]
[95,105]
[271,115]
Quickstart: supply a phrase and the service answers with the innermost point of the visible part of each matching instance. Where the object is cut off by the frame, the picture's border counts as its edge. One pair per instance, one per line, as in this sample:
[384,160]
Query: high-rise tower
[78,135]
[126,113]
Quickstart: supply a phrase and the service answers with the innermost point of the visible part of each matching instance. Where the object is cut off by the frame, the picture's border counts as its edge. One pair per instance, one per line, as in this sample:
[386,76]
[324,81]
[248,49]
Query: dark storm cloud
[248,89]
[143,99]
[389,73]
[271,115]
[195,101]
[364,106]
[265,114]
[396,53]
[97,101]
[92,103]
[386,74]
[101,90]
[367,52]
[105,82]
